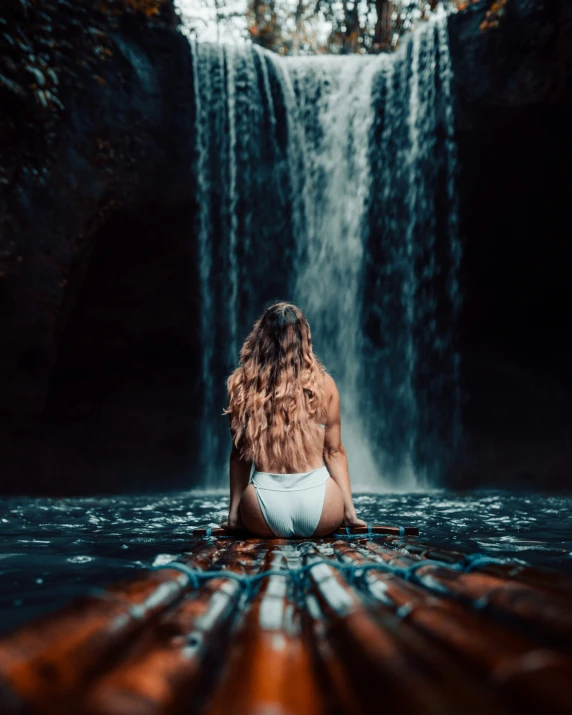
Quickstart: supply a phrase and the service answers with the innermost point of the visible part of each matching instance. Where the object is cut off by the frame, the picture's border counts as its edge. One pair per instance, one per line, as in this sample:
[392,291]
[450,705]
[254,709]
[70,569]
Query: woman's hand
[351,520]
[233,523]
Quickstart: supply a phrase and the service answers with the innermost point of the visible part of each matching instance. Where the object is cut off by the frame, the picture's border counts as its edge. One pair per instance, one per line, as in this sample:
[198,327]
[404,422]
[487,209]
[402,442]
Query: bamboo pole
[543,579]
[380,529]
[547,615]
[50,660]
[270,666]
[382,654]
[522,671]
[170,666]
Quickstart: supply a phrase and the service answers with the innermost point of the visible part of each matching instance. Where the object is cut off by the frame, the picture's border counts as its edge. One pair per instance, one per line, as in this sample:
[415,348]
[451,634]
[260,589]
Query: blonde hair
[276,396]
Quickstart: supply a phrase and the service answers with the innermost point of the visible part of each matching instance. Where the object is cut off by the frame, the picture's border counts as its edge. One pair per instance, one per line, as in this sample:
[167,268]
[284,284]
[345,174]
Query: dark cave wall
[513,89]
[125,380]
[98,297]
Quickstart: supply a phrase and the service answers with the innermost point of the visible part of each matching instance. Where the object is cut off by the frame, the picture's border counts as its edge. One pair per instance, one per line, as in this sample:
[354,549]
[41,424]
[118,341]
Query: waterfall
[330,181]
[332,104]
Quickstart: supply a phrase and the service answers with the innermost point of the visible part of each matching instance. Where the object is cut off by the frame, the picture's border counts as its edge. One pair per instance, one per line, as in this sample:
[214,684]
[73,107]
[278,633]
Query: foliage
[149,8]
[494,14]
[43,40]
[317,26]
[46,46]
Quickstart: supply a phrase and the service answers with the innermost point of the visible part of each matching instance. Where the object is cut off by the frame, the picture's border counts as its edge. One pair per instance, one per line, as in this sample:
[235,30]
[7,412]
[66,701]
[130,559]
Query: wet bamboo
[269,667]
[523,672]
[547,615]
[543,579]
[169,666]
[395,531]
[52,658]
[383,654]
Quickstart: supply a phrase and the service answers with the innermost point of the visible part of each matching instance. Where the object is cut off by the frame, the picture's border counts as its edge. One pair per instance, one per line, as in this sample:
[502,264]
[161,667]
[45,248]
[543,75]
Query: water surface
[54,549]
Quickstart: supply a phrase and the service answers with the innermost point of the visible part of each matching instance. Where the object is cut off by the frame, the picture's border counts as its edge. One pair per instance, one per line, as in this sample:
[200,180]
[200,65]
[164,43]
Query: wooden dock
[356,623]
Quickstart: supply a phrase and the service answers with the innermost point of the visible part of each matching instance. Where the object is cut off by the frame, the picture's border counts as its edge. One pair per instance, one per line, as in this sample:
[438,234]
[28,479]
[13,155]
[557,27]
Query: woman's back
[284,420]
[277,396]
[314,457]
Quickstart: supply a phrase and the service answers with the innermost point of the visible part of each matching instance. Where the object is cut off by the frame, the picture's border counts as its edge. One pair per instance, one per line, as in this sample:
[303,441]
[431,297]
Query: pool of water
[54,549]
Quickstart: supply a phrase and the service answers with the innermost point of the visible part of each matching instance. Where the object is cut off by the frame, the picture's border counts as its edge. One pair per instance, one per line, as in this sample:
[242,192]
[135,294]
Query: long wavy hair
[276,396]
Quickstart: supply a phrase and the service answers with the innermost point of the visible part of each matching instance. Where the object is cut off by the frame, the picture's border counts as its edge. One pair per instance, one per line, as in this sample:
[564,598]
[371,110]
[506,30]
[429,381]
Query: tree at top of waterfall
[307,27]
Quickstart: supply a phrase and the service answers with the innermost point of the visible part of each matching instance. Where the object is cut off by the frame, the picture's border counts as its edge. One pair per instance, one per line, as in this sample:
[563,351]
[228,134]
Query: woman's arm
[335,456]
[239,470]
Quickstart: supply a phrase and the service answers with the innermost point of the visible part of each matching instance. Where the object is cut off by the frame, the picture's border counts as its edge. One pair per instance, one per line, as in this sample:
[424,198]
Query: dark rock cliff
[513,89]
[97,276]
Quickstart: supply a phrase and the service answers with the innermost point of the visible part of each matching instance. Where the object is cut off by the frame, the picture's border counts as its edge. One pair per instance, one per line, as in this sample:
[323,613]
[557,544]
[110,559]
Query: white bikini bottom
[291,503]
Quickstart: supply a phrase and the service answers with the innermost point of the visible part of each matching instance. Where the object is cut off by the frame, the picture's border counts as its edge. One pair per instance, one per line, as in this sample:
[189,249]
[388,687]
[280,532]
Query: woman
[284,412]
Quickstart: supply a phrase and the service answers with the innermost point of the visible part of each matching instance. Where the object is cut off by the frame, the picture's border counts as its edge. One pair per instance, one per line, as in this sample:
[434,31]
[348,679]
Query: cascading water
[330,181]
[331,101]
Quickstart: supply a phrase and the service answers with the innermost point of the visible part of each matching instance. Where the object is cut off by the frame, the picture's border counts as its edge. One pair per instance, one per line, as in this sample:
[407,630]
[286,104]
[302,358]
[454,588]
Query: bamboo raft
[358,622]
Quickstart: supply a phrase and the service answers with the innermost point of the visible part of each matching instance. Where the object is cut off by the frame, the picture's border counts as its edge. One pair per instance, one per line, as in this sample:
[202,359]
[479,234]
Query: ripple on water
[80,559]
[56,549]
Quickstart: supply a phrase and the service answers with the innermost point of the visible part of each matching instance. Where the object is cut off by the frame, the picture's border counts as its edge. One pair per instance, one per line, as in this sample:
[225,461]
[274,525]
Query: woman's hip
[302,513]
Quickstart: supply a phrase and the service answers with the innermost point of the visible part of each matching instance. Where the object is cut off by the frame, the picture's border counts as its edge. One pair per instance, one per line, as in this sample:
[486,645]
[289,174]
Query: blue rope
[196,576]
[475,561]
[343,537]
[408,573]
[349,537]
[346,534]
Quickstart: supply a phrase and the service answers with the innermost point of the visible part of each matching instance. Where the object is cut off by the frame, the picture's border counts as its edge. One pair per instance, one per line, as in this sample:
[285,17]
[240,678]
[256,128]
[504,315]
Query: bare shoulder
[332,398]
[330,386]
